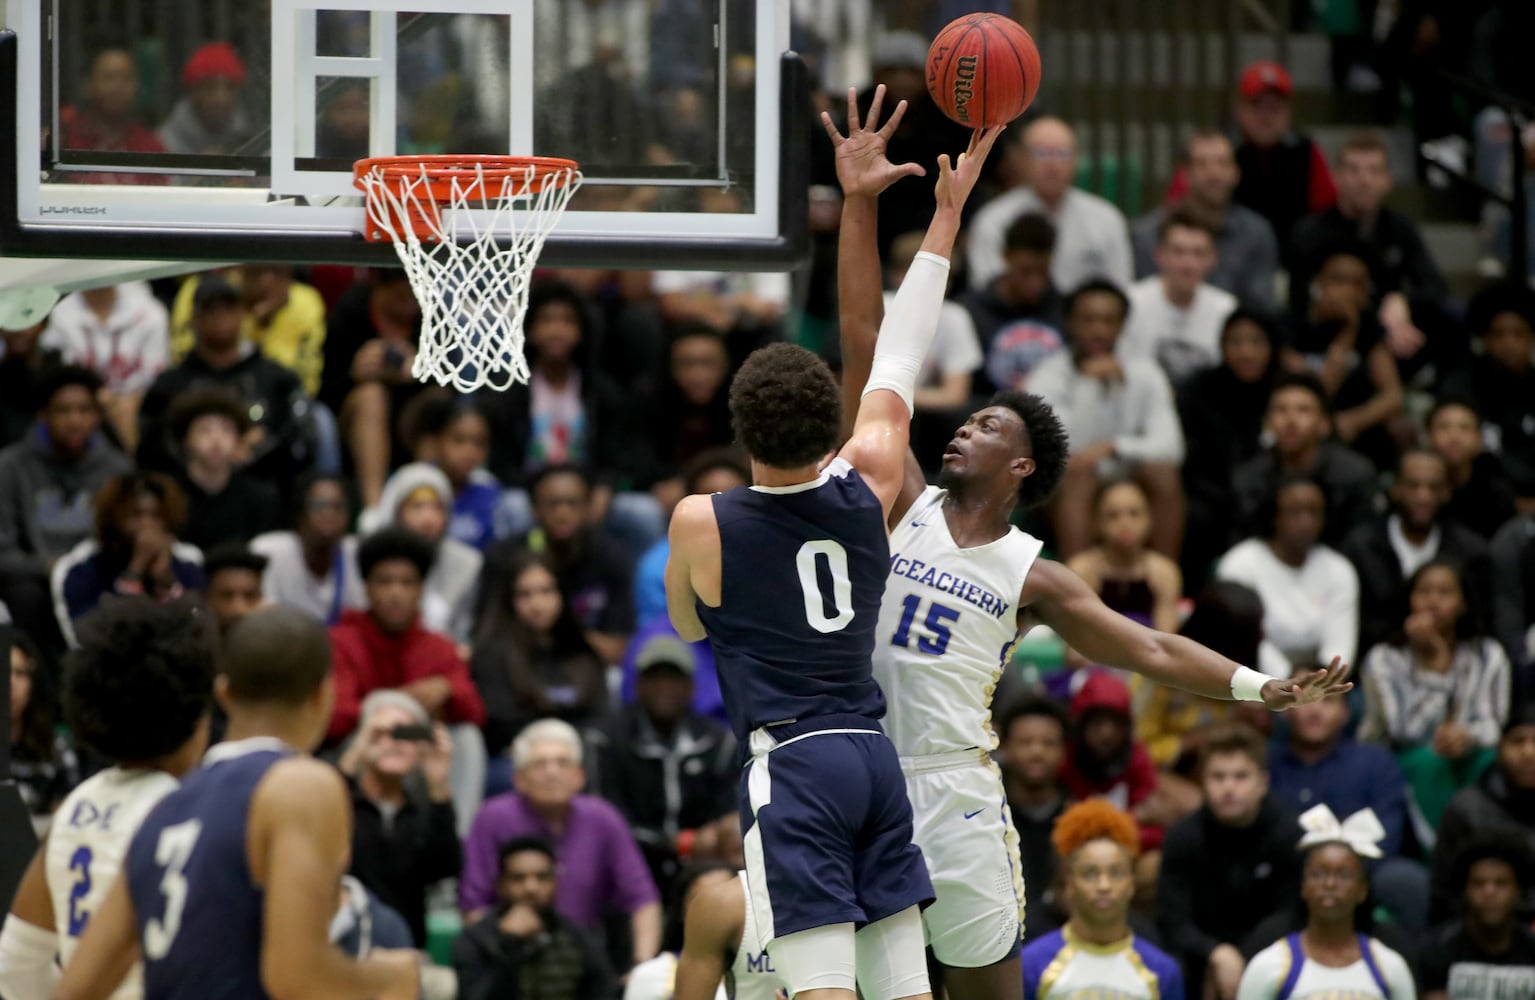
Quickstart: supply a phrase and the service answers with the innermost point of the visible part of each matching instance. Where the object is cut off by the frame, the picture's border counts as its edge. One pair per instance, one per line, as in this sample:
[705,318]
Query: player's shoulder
[298,783]
[693,515]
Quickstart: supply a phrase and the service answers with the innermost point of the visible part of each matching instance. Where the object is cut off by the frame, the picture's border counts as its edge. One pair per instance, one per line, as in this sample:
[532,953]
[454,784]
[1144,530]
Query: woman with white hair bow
[1331,956]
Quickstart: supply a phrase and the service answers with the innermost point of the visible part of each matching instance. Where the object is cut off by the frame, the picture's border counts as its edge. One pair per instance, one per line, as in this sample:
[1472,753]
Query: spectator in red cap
[1103,759]
[1284,173]
[209,120]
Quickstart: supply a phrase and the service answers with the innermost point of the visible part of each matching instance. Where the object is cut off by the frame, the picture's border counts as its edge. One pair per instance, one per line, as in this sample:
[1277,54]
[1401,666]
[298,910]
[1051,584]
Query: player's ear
[1022,467]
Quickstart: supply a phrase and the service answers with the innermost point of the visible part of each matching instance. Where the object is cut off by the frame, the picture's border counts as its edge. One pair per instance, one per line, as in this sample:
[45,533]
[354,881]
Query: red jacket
[1126,783]
[364,658]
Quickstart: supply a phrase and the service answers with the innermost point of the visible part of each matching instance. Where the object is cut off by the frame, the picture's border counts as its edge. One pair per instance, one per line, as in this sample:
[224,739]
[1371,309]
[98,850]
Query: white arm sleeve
[26,960]
[909,327]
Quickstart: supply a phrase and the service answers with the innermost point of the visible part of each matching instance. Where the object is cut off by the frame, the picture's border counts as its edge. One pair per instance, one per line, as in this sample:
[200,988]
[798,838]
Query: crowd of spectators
[1289,441]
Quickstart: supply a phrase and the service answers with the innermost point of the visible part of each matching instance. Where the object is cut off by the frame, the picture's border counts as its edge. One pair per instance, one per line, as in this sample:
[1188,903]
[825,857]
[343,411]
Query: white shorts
[965,830]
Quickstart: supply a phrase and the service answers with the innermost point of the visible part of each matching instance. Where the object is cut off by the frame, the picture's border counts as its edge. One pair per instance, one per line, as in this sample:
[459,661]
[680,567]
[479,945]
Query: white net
[470,270]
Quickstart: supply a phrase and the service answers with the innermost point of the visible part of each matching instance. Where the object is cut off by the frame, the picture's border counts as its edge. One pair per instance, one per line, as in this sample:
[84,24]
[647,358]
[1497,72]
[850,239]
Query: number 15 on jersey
[937,624]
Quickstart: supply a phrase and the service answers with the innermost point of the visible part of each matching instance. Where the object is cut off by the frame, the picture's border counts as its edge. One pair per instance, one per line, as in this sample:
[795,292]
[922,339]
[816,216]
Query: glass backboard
[226,130]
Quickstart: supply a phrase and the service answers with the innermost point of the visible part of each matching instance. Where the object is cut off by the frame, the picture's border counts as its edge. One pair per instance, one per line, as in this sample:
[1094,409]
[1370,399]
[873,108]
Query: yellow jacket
[295,337]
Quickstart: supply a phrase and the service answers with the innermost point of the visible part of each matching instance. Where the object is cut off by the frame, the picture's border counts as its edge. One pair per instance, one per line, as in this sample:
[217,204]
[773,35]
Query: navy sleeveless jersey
[198,910]
[802,573]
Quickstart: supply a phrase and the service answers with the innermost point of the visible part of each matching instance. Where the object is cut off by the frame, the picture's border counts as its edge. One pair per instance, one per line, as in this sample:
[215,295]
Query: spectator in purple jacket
[602,869]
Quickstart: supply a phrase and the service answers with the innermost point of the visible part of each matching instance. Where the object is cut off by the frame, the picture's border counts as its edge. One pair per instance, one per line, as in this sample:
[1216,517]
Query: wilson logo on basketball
[964,86]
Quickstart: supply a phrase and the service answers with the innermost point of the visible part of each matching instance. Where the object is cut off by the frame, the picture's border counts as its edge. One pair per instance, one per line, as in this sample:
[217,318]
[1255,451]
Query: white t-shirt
[287,579]
[1311,613]
[1092,238]
[1182,341]
[127,349]
[86,845]
[1266,974]
[956,349]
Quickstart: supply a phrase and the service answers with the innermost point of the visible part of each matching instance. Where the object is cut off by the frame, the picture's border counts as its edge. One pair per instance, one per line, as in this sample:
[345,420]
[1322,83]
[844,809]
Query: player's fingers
[852,109]
[943,163]
[872,124]
[912,170]
[895,120]
[831,129]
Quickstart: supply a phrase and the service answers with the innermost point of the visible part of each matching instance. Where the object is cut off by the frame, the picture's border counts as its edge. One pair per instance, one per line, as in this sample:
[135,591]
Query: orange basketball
[983,69]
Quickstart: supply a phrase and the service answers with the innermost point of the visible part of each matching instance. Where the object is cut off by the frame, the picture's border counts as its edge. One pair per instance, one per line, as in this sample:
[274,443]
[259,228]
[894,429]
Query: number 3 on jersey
[172,852]
[937,622]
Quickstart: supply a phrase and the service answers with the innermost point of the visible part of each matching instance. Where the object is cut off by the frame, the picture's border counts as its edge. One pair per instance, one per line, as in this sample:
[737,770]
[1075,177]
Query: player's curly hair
[1047,444]
[785,407]
[1094,819]
[141,678]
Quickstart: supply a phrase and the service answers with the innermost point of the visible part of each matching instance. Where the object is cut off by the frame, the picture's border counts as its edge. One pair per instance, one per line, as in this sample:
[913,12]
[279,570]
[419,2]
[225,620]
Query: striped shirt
[1405,704]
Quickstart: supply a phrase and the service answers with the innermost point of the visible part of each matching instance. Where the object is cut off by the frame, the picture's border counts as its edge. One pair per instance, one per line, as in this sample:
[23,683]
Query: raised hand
[863,167]
[956,182]
[1304,689]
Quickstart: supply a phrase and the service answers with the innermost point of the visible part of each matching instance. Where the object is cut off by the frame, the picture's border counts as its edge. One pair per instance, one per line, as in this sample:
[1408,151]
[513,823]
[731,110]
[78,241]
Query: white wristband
[1247,684]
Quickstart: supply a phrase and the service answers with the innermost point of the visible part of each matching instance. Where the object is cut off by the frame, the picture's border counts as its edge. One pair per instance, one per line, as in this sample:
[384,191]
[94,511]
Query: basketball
[983,70]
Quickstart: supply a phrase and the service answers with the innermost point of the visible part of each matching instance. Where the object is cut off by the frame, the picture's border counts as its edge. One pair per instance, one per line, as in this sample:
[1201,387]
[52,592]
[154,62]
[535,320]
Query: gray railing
[1135,76]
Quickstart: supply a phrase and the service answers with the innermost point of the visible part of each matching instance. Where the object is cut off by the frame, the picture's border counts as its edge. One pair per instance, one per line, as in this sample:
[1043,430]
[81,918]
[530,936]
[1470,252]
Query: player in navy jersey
[229,886]
[964,584]
[136,691]
[785,578]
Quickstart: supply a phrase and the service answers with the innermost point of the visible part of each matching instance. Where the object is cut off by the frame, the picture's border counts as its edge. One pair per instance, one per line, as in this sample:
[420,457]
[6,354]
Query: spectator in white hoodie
[1120,416]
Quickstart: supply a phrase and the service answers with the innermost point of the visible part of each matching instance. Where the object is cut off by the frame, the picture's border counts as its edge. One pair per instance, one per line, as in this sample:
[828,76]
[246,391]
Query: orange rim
[448,178]
[442,170]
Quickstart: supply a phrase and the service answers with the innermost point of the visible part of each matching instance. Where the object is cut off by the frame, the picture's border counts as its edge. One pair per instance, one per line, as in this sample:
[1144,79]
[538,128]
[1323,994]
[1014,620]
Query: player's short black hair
[276,655]
[785,407]
[1029,706]
[517,845]
[1504,845]
[232,555]
[209,401]
[1047,444]
[141,678]
[394,545]
[57,377]
[1098,286]
[1031,232]
[1303,380]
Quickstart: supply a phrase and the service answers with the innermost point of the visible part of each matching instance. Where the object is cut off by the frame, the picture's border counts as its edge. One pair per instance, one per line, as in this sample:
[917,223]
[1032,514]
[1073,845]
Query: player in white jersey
[721,948]
[137,691]
[964,584]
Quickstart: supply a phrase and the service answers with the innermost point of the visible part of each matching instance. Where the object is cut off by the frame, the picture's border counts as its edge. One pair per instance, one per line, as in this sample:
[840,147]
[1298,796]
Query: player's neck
[251,723]
[1331,936]
[767,475]
[1102,935]
[978,515]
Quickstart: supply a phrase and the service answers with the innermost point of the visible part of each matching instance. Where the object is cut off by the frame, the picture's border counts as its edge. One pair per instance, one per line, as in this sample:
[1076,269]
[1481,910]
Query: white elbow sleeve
[909,328]
[26,959]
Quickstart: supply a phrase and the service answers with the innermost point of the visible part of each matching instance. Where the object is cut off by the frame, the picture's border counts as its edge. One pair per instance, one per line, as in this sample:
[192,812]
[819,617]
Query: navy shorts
[828,827]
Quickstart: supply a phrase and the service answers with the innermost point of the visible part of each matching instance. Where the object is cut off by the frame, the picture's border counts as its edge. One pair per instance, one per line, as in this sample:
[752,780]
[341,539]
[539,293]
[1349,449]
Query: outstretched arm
[881,432]
[864,173]
[1055,596]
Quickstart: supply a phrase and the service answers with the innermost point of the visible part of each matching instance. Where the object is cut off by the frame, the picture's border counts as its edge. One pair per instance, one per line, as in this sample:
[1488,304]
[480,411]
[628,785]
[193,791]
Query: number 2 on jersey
[172,852]
[938,620]
[80,864]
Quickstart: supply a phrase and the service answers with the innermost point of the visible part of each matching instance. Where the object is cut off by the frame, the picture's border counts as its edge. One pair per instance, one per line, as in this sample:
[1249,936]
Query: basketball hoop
[470,270]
